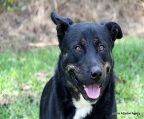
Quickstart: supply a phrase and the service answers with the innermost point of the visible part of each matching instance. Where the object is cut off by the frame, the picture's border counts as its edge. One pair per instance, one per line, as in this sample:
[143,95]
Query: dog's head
[86,53]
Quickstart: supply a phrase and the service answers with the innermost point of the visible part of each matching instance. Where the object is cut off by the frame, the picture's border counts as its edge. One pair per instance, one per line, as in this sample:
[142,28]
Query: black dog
[83,84]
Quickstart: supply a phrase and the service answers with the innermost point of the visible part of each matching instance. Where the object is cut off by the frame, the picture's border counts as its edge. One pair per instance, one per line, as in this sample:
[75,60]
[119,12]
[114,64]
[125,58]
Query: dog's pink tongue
[92,91]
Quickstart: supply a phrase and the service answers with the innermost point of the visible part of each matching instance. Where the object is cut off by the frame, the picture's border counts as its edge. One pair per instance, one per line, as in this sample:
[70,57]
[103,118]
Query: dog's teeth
[84,86]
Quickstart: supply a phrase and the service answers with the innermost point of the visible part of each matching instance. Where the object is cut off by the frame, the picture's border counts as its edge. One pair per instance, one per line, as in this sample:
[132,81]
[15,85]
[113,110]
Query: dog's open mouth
[90,92]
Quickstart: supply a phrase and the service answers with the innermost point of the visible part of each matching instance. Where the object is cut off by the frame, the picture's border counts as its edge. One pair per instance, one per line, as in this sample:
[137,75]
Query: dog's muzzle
[90,92]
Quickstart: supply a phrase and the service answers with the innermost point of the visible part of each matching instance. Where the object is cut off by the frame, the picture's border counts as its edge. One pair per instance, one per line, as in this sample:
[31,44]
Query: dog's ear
[62,24]
[115,30]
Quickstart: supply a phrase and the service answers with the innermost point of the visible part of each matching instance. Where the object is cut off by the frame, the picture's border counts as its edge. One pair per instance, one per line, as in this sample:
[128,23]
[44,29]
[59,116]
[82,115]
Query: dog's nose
[96,72]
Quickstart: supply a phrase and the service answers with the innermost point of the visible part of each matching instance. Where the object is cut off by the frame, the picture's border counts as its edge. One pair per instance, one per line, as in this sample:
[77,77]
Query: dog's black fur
[85,59]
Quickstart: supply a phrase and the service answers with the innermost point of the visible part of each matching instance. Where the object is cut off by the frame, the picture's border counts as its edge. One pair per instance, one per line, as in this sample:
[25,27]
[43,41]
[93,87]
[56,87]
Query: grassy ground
[23,75]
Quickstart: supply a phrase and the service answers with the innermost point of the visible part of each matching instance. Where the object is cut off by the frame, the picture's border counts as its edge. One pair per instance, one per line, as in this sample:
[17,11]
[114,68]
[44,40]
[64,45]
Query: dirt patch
[10,99]
[30,25]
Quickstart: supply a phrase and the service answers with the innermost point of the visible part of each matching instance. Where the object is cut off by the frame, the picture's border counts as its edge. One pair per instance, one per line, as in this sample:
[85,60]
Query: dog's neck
[83,108]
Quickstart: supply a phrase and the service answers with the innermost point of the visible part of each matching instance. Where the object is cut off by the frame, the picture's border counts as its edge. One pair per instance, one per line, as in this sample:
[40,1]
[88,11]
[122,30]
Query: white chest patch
[83,108]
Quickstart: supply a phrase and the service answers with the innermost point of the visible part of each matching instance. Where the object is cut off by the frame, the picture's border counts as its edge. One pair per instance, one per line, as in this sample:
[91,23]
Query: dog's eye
[101,48]
[78,48]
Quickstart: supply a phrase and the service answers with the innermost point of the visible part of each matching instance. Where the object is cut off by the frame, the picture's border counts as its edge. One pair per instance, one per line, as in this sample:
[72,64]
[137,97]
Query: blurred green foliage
[7,5]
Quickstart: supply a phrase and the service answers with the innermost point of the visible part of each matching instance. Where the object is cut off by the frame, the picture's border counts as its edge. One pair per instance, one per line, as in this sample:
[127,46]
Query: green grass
[23,76]
[129,66]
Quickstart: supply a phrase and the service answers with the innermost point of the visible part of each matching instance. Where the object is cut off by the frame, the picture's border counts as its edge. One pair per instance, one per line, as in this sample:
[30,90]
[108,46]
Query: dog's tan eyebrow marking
[83,41]
[96,40]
